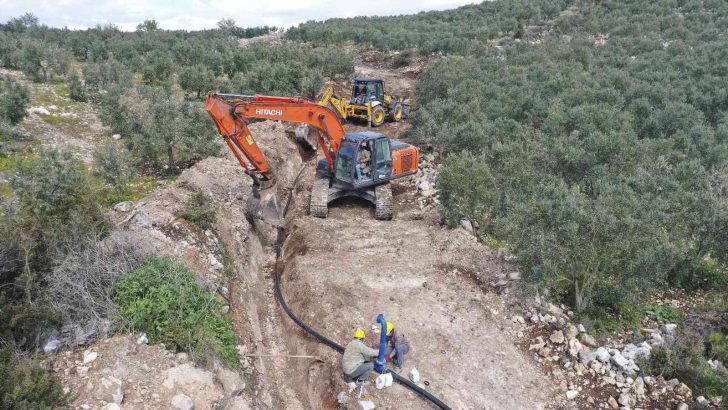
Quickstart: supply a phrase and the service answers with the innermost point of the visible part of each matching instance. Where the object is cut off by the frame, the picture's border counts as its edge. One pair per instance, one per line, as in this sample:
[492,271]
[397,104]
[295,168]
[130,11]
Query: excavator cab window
[383,157]
[374,91]
[345,162]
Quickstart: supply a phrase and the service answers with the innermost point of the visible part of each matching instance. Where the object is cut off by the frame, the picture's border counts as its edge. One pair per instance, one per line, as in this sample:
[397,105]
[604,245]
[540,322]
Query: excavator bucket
[264,205]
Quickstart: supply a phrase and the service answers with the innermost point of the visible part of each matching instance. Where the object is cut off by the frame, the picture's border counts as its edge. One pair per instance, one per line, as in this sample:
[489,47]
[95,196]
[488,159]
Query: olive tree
[14,99]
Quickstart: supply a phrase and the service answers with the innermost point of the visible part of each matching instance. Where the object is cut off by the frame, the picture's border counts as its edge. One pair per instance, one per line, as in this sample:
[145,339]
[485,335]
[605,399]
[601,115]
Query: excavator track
[383,207]
[320,197]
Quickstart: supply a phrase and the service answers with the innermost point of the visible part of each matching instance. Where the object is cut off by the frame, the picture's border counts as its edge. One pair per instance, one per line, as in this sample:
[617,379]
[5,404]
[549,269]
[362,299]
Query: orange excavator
[360,164]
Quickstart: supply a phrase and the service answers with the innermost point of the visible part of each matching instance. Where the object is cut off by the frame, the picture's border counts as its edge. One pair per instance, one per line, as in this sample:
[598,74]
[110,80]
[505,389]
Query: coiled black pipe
[280,238]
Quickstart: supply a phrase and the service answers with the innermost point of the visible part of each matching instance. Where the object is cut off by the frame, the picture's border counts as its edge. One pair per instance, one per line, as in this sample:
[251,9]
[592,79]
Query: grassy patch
[164,299]
[58,120]
[199,210]
[136,188]
[493,242]
[665,314]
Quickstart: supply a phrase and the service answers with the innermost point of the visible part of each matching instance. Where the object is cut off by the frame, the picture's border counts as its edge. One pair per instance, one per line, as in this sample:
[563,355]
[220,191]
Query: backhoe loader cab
[365,89]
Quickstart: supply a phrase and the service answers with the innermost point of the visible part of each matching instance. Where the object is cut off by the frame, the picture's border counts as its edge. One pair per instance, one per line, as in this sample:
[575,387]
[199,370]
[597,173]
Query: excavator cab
[364,159]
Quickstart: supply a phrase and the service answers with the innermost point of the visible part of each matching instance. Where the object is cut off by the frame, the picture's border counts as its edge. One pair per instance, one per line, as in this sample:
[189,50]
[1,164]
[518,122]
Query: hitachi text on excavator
[360,164]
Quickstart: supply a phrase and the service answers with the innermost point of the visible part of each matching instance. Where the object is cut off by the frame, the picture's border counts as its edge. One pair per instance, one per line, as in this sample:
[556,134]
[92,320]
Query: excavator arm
[230,112]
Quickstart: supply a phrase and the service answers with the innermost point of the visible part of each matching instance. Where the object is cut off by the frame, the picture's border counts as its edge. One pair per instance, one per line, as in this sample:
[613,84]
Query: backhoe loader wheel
[320,197]
[395,114]
[383,208]
[377,116]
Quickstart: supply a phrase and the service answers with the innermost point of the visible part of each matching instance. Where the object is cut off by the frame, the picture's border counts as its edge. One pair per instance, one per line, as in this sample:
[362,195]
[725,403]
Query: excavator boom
[230,112]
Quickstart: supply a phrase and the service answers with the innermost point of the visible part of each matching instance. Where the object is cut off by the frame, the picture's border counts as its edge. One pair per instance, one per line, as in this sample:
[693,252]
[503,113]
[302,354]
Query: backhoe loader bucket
[263,205]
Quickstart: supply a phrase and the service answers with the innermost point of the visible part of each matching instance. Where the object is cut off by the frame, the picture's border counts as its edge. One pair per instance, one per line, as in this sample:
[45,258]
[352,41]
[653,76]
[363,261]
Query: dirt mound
[126,371]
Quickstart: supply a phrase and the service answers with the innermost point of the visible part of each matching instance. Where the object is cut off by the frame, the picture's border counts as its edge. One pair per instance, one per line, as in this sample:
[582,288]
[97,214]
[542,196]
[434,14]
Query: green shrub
[687,363]
[403,58]
[718,347]
[27,386]
[199,210]
[76,87]
[665,314]
[164,299]
[14,99]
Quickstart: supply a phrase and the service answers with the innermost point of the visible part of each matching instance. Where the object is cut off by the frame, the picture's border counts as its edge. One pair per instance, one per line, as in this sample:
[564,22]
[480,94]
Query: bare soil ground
[342,271]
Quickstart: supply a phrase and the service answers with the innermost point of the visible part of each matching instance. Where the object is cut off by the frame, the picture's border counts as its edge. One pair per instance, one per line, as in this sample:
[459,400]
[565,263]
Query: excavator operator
[364,165]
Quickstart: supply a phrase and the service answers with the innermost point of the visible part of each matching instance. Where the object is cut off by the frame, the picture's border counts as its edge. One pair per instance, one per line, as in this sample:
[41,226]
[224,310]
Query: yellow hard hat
[390,327]
[359,334]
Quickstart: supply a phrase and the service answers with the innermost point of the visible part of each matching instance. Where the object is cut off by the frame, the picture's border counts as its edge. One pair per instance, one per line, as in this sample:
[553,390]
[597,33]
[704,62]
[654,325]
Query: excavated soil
[340,272]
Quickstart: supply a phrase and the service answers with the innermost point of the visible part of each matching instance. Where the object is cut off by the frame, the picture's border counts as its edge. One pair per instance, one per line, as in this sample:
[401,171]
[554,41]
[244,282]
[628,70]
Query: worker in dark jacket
[357,361]
[397,346]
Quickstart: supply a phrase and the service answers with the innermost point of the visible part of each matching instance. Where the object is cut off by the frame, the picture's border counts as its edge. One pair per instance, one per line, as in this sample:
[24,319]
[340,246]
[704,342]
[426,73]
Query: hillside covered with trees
[588,138]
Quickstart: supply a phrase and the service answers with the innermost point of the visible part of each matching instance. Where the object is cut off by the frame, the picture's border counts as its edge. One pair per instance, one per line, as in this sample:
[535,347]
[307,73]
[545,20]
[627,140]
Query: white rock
[142,339]
[571,394]
[656,339]
[639,387]
[111,389]
[557,337]
[588,340]
[515,275]
[214,263]
[231,381]
[603,355]
[90,357]
[182,402]
[116,137]
[587,356]
[702,401]
[575,347]
[632,352]
[682,406]
[39,110]
[581,328]
[624,364]
[466,225]
[125,206]
[51,346]
[626,400]
[669,328]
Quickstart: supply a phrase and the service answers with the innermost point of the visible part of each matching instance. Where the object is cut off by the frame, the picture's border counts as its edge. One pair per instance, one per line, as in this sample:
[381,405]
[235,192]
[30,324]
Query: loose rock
[182,402]
[557,337]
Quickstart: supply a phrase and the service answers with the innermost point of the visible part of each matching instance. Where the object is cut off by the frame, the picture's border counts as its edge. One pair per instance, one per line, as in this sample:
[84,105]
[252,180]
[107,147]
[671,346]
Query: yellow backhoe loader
[368,102]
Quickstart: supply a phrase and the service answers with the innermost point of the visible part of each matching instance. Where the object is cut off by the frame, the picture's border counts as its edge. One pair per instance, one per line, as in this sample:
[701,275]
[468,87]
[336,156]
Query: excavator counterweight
[357,164]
